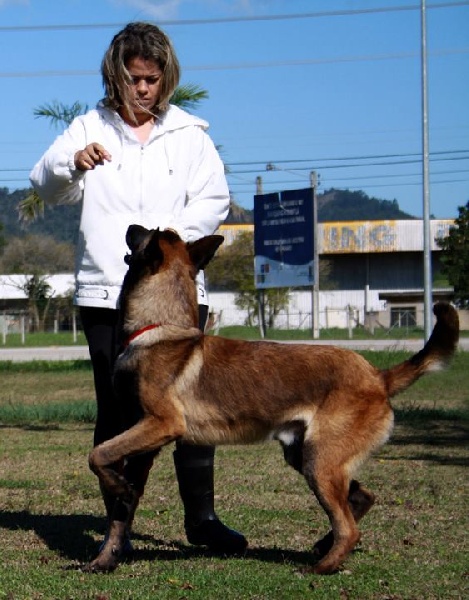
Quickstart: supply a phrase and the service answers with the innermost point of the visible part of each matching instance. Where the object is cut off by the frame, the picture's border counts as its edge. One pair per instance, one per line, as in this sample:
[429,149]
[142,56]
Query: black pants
[100,326]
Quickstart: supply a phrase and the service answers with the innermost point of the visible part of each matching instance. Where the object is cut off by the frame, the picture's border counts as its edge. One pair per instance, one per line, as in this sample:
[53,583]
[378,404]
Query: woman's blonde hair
[146,41]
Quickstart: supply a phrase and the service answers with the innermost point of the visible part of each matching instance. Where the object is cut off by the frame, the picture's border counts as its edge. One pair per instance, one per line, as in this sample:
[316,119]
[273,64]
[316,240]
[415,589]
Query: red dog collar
[139,332]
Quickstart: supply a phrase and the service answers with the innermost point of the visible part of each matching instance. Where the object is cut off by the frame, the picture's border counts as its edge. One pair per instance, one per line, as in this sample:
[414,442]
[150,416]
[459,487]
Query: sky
[295,87]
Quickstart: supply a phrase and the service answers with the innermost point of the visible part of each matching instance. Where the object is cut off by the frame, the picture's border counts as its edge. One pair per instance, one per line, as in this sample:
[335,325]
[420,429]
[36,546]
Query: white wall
[335,309]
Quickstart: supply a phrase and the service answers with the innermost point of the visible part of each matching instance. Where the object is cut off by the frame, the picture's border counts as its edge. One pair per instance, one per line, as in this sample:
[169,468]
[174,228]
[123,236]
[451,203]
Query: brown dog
[328,407]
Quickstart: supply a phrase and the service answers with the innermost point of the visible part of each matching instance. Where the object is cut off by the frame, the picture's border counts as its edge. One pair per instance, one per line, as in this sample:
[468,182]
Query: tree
[59,113]
[2,239]
[36,254]
[455,256]
[233,269]
[188,96]
[39,294]
[36,257]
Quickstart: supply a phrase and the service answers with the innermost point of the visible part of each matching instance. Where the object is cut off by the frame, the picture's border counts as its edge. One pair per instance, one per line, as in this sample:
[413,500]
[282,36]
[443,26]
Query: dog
[327,406]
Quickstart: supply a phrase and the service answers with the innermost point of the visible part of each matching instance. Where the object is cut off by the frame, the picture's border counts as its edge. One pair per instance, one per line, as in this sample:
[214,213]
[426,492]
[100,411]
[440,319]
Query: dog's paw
[98,566]
[106,561]
[322,546]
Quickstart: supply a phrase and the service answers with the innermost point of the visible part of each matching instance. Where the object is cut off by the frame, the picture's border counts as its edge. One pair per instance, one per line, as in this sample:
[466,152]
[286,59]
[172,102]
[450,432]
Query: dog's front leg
[111,551]
[144,438]
[147,436]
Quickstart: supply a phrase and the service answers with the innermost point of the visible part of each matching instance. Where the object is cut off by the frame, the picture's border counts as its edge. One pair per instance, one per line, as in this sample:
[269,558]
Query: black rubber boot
[194,470]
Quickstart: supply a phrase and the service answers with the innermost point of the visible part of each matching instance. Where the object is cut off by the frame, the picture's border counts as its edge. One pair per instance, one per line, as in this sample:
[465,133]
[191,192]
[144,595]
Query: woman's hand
[94,154]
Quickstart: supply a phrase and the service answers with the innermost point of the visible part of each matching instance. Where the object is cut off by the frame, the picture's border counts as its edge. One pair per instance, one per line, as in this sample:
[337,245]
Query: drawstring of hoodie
[119,123]
[166,153]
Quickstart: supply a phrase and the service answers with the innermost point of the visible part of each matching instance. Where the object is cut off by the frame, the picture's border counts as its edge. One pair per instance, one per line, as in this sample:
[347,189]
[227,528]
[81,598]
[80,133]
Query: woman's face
[145,87]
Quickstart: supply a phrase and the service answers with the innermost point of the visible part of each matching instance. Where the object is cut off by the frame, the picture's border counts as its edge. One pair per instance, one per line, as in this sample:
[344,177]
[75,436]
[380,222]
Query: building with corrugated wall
[384,255]
[376,276]
[381,259]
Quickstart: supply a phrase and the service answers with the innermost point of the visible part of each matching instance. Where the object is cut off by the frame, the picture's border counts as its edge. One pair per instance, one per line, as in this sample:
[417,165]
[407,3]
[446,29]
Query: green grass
[46,392]
[37,340]
[415,540]
[359,333]
[64,338]
[327,335]
[76,412]
[41,366]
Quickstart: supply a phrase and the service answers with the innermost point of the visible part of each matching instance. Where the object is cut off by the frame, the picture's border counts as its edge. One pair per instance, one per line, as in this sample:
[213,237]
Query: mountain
[343,205]
[339,205]
[61,222]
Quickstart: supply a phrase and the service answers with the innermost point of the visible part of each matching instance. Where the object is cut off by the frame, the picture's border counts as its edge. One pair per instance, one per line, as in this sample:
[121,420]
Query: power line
[442,155]
[330,183]
[324,61]
[363,178]
[252,18]
[239,66]
[381,185]
[343,158]
[324,167]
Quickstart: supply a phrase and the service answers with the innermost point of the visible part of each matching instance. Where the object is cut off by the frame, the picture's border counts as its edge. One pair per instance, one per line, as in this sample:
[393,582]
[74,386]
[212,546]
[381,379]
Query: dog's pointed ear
[153,252]
[135,236]
[202,251]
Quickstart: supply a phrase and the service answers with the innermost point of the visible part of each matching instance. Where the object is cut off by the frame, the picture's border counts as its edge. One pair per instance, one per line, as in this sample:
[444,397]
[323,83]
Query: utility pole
[427,257]
[259,185]
[315,307]
[260,292]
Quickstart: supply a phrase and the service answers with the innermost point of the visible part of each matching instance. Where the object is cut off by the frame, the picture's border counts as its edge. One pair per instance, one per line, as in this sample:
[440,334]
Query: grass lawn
[65,338]
[415,540]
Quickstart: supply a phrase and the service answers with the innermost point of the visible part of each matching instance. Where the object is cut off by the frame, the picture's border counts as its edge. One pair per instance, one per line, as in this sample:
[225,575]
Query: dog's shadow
[180,551]
[72,537]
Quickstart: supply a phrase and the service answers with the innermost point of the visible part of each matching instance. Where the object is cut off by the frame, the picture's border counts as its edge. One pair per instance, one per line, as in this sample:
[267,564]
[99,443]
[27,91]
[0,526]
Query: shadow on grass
[48,426]
[71,536]
[164,550]
[445,442]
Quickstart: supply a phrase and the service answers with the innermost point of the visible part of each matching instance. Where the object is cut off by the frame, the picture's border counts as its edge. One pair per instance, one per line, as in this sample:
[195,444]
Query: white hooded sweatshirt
[175,180]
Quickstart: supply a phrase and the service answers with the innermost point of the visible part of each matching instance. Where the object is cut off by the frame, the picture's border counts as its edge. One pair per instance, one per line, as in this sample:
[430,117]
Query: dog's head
[151,249]
[159,283]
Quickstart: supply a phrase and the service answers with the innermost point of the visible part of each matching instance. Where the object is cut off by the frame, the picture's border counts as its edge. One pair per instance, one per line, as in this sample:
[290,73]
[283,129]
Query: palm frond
[60,114]
[30,208]
[188,96]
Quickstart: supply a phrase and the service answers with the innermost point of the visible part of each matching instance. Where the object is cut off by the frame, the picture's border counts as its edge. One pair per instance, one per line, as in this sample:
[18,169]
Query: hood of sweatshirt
[174,118]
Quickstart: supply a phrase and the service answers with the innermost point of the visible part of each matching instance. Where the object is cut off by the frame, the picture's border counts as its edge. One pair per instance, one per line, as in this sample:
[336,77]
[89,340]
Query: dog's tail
[434,355]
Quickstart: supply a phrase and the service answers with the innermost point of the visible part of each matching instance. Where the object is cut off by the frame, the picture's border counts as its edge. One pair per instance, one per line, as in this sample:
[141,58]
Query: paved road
[49,353]
[81,352]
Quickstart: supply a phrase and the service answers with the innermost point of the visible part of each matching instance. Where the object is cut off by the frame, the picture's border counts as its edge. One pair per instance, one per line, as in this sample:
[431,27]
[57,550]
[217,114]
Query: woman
[138,159]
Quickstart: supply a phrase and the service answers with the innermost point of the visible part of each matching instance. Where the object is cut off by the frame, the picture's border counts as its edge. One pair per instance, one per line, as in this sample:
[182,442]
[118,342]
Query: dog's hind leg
[331,485]
[291,438]
[360,501]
